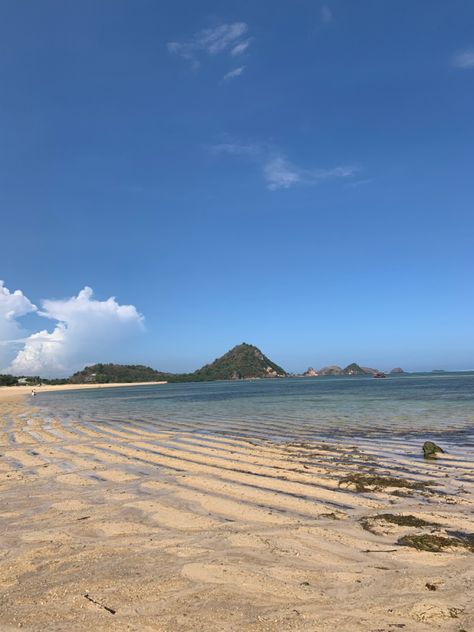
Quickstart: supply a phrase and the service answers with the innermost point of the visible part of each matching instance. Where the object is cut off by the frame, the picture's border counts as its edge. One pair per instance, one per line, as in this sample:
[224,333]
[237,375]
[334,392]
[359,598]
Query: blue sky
[293,174]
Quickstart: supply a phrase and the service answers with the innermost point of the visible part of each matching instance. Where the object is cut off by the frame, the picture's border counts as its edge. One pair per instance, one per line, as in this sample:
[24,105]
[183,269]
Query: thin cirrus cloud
[233,73]
[229,38]
[278,171]
[464,59]
[86,331]
[326,14]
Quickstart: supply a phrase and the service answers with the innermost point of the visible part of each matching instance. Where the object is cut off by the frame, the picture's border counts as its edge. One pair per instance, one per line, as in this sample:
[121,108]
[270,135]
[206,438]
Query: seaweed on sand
[400,520]
[433,543]
[374,482]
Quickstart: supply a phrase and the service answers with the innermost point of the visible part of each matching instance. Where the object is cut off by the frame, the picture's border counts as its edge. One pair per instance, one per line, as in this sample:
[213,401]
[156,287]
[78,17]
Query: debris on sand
[101,605]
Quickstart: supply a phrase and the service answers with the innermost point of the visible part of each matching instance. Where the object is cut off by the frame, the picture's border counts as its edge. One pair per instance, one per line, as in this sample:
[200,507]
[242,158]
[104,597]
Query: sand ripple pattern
[123,526]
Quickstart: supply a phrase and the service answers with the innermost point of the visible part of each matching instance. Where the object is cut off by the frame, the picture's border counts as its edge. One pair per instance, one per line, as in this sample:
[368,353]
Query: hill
[330,370]
[351,369]
[355,369]
[243,361]
[109,373]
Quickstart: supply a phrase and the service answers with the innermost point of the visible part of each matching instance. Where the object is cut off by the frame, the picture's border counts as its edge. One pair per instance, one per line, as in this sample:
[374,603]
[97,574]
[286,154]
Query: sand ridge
[119,527]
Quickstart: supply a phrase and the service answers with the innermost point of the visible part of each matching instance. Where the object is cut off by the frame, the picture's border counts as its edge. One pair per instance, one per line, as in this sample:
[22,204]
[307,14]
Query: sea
[425,406]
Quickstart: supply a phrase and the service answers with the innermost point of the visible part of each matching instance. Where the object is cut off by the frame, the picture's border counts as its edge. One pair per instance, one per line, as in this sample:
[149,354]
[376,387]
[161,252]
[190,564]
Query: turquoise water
[285,409]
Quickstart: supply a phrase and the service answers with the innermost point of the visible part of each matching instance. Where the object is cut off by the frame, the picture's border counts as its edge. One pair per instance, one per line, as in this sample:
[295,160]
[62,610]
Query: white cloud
[326,14]
[464,59]
[277,170]
[280,173]
[240,48]
[87,331]
[220,38]
[224,38]
[13,305]
[234,73]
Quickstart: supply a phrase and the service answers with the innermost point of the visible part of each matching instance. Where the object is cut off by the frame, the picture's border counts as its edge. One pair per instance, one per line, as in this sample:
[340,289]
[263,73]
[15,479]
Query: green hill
[243,361]
[354,369]
[108,373]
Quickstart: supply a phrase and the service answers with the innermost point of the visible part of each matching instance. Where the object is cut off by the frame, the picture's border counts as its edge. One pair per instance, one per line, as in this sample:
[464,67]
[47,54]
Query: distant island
[351,369]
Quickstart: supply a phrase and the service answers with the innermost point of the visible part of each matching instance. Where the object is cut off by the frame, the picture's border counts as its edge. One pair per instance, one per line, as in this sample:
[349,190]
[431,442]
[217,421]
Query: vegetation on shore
[29,380]
[242,362]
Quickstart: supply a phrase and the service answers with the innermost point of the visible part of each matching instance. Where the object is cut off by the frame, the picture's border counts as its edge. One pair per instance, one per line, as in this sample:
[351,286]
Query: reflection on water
[306,408]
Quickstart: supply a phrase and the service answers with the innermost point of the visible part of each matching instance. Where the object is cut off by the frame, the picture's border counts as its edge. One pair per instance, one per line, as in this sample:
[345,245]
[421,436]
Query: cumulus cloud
[87,331]
[464,59]
[228,38]
[234,73]
[13,305]
[277,170]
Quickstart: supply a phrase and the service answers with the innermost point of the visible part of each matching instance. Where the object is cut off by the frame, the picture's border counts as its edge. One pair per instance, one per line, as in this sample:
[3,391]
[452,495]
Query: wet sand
[118,527]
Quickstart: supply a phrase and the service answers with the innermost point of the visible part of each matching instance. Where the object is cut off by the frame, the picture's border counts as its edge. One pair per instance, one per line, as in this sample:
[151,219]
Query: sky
[179,177]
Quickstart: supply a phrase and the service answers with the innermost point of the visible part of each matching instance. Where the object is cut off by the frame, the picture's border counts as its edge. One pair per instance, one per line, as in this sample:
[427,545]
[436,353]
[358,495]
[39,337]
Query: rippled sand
[123,528]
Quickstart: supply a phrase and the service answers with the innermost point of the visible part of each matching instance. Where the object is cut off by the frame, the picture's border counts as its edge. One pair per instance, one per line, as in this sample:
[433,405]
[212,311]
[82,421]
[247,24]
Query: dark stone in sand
[430,449]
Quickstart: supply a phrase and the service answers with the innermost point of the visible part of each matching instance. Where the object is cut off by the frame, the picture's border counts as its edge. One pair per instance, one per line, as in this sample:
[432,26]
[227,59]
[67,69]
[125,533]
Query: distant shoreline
[13,392]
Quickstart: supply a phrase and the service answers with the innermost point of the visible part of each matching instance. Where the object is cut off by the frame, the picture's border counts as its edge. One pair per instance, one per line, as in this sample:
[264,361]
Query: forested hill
[109,373]
[243,361]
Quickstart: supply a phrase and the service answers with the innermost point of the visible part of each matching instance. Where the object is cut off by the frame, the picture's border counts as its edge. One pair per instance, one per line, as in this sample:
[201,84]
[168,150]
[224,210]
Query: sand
[16,392]
[121,528]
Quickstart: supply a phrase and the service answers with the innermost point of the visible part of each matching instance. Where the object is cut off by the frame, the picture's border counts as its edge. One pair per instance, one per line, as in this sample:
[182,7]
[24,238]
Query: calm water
[302,409]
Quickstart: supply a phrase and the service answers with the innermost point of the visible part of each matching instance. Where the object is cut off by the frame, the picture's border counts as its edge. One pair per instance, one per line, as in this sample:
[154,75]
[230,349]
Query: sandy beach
[123,528]
[7,393]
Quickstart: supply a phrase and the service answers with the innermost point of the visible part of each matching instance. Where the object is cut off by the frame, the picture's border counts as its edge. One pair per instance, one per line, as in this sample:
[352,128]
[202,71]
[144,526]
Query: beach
[123,527]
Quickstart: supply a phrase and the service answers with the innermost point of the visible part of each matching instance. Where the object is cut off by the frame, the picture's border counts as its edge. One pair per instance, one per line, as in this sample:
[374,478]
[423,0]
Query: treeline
[109,373]
[28,380]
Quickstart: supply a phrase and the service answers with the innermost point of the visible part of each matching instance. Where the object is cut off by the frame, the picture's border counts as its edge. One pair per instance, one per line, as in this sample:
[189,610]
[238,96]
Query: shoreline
[15,392]
[119,526]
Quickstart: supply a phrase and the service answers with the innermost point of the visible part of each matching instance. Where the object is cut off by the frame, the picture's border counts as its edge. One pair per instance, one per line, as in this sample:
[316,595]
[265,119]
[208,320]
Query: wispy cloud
[277,170]
[233,73]
[464,59]
[228,38]
[241,47]
[326,14]
[280,173]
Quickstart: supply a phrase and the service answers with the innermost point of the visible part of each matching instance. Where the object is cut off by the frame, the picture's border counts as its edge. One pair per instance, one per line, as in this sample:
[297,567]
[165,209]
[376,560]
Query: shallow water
[285,409]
